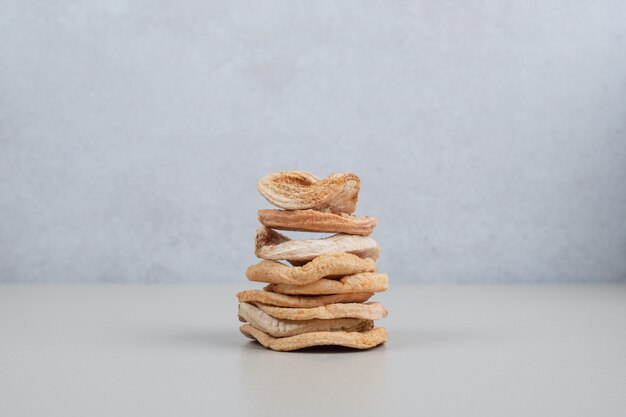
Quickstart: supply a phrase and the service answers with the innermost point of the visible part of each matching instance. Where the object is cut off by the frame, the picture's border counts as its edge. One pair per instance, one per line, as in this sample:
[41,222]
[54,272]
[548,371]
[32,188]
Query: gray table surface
[122,350]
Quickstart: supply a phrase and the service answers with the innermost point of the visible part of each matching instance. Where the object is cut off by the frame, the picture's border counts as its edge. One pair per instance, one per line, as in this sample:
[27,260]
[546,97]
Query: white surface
[490,135]
[175,350]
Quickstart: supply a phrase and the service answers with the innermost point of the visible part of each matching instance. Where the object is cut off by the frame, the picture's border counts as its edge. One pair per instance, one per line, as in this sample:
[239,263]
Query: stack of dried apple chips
[318,295]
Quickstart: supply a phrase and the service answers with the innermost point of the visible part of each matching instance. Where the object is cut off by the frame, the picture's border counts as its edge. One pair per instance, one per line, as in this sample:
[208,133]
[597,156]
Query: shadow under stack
[318,289]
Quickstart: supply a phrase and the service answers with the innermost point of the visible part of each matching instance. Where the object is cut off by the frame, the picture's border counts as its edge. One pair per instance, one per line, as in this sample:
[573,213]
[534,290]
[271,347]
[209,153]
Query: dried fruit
[331,264]
[366,311]
[298,190]
[308,301]
[365,340]
[284,328]
[365,282]
[316,221]
[275,246]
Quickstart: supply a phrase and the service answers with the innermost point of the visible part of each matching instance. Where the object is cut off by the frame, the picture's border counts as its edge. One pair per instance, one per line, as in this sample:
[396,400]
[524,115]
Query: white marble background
[489,135]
